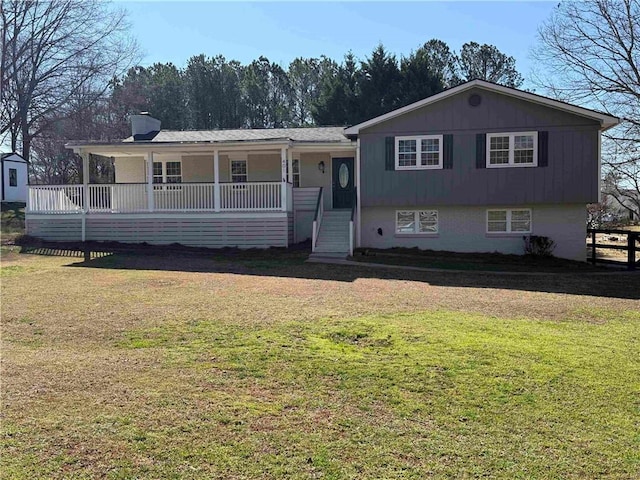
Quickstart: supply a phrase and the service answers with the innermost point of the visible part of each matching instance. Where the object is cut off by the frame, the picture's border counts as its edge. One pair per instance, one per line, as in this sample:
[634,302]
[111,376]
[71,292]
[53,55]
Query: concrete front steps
[333,238]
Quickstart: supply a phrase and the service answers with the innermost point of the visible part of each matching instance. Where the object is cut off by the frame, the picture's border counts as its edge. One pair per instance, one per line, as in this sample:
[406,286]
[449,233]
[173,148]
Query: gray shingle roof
[315,134]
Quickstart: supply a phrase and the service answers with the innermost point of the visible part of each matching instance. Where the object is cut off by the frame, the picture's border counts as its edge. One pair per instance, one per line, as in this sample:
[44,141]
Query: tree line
[213,92]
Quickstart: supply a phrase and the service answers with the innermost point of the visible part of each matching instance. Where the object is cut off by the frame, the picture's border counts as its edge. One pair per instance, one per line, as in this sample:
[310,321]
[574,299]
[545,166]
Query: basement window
[416,222]
[509,221]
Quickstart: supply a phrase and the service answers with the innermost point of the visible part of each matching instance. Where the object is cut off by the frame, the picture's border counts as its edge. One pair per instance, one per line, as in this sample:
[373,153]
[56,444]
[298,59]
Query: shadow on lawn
[291,264]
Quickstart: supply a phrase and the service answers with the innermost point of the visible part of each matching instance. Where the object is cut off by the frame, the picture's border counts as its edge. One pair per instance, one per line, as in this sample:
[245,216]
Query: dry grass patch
[265,367]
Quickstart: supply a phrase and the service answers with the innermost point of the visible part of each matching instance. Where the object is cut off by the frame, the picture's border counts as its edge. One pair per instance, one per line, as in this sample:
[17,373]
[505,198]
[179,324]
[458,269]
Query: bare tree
[589,52]
[102,120]
[51,52]
[486,62]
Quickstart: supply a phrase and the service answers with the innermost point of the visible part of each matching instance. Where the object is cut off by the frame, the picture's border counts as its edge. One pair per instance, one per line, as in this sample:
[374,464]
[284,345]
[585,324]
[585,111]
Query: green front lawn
[201,367]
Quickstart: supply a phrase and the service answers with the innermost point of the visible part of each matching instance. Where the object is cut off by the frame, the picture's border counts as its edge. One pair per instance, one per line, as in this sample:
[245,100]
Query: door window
[343,175]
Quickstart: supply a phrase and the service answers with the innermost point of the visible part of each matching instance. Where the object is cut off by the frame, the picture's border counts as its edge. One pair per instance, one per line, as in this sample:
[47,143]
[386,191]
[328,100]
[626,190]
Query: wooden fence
[631,246]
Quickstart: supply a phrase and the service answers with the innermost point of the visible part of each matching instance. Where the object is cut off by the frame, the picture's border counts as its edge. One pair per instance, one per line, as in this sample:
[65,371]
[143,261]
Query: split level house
[472,169]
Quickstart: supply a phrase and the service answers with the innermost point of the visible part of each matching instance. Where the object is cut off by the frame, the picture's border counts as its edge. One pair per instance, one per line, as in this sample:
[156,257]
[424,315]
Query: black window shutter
[481,150]
[447,151]
[543,149]
[390,157]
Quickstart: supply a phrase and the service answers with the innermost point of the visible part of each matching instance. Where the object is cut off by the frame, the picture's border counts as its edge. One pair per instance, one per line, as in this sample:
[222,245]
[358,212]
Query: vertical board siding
[571,175]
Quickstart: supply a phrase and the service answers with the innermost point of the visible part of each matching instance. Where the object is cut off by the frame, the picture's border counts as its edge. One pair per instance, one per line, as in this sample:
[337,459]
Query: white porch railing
[56,198]
[251,196]
[184,196]
[120,198]
[134,197]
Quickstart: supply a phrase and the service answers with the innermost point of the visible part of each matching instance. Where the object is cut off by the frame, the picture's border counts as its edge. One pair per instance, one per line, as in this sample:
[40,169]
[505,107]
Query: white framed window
[239,171]
[296,172]
[515,149]
[510,220]
[419,152]
[416,221]
[158,176]
[167,171]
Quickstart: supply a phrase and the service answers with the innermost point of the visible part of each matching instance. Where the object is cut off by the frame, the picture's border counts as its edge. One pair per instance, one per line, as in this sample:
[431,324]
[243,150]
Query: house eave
[606,121]
[142,147]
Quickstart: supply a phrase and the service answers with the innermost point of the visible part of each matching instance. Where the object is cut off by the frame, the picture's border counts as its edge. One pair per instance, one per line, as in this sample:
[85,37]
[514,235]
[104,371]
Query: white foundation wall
[463,229]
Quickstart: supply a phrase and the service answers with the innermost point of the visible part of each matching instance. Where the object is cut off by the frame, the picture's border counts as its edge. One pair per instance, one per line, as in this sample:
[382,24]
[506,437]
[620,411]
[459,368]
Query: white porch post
[85,180]
[85,192]
[216,179]
[150,201]
[283,193]
[290,166]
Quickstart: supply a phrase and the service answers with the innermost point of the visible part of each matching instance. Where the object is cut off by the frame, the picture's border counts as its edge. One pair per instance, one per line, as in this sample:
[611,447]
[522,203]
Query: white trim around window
[519,147]
[295,176]
[246,170]
[167,171]
[416,222]
[418,152]
[509,220]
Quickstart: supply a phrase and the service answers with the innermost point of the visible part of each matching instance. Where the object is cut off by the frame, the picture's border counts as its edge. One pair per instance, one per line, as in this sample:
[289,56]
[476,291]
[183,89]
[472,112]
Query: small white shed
[13,178]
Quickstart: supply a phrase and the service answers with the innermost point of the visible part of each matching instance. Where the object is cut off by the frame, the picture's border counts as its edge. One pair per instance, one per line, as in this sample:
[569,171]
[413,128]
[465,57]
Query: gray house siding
[570,177]
[463,229]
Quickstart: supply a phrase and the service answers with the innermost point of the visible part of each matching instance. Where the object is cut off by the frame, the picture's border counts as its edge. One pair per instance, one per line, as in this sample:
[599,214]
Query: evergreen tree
[419,78]
[379,84]
[337,102]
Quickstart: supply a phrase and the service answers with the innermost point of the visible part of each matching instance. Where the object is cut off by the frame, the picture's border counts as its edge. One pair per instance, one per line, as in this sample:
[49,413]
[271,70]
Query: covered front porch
[233,195]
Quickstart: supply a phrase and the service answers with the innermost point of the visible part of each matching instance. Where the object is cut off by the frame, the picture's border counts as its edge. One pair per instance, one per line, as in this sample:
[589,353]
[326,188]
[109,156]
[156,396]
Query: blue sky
[174,31]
